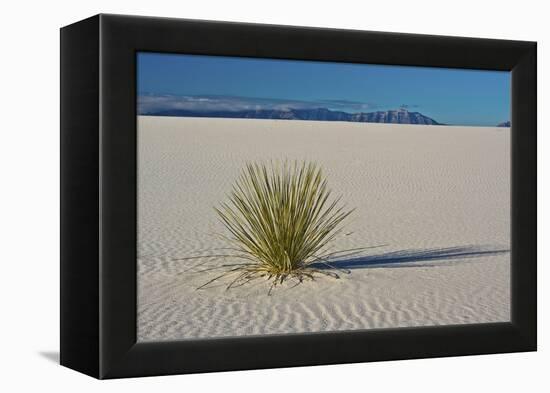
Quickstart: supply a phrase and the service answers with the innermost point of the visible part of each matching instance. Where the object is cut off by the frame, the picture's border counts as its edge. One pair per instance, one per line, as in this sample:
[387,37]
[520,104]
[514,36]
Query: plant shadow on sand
[410,257]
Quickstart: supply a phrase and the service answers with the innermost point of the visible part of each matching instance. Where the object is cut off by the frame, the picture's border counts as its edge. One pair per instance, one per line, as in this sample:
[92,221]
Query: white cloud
[149,103]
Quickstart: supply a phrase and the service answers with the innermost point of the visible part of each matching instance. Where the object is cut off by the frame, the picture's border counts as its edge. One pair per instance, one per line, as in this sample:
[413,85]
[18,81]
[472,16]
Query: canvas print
[282,197]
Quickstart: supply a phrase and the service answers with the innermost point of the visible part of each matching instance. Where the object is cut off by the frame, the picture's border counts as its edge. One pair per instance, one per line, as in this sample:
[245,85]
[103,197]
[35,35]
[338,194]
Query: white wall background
[29,215]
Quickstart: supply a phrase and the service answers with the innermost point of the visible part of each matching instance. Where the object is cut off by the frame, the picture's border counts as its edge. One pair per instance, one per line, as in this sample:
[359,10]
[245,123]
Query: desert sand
[432,202]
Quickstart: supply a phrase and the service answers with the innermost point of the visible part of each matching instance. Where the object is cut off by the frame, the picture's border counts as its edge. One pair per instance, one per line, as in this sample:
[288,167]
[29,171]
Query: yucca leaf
[281,216]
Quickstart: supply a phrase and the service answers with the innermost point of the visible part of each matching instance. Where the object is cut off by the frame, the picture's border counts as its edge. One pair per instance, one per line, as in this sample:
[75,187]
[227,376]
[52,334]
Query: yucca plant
[280,220]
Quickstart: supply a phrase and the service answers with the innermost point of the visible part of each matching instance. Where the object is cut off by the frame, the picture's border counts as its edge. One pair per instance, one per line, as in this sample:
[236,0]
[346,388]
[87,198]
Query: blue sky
[451,96]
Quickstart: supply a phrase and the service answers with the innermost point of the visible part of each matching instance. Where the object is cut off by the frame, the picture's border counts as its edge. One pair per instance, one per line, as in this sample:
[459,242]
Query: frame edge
[79,217]
[524,196]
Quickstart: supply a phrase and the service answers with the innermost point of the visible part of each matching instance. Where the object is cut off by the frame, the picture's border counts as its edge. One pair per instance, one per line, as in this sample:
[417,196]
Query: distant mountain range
[504,124]
[400,116]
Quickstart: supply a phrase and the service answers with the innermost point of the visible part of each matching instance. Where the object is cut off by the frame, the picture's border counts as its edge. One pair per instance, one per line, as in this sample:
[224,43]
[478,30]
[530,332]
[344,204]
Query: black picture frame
[98,196]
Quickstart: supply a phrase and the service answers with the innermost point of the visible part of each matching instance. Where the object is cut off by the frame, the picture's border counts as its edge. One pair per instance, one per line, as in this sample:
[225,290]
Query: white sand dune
[433,201]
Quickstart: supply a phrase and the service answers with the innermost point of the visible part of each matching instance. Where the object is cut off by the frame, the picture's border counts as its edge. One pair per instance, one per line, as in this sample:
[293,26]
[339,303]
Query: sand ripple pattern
[435,200]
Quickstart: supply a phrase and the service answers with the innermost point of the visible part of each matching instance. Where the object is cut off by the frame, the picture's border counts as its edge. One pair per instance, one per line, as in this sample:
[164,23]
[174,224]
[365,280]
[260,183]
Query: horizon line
[167,104]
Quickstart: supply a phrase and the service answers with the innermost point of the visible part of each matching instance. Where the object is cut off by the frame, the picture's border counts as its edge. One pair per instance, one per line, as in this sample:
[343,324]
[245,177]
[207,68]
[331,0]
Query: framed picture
[239,196]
